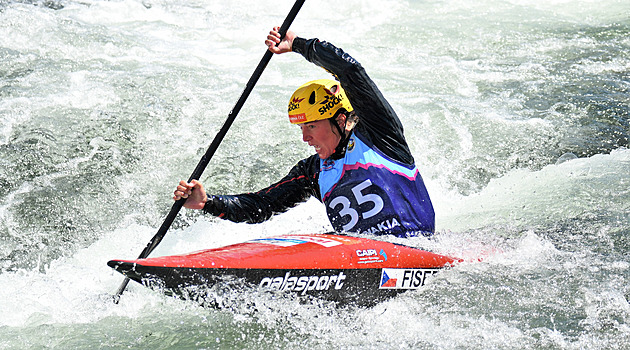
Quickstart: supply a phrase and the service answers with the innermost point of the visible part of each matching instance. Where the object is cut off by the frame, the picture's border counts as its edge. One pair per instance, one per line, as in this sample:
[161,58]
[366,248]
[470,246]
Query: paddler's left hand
[285,45]
[194,192]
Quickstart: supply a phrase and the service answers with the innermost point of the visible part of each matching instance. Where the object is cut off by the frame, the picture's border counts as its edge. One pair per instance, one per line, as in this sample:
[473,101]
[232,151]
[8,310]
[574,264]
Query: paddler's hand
[286,45]
[194,192]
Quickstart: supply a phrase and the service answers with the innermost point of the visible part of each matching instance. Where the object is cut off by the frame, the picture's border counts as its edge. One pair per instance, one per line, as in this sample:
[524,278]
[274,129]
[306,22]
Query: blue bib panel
[368,192]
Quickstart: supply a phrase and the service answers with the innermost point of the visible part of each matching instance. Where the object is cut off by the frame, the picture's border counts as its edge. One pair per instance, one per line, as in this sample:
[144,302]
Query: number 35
[346,205]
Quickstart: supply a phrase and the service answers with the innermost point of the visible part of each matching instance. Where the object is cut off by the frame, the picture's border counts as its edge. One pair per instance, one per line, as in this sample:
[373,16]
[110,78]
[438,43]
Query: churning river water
[517,112]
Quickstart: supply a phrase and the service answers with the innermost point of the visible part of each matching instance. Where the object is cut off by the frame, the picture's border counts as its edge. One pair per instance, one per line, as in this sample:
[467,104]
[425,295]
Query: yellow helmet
[317,100]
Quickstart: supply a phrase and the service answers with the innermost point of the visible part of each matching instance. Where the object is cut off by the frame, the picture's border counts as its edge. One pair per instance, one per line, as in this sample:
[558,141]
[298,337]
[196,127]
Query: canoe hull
[343,269]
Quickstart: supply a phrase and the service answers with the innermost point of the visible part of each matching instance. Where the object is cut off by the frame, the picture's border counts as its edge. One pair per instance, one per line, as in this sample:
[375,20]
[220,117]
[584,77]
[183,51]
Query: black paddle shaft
[203,163]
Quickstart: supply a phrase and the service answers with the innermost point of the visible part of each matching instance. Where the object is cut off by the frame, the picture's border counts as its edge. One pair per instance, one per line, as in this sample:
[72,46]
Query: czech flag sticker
[386,281]
[405,278]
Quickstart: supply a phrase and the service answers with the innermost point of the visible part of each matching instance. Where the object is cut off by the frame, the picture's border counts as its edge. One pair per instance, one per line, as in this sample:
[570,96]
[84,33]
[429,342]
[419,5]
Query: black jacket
[377,121]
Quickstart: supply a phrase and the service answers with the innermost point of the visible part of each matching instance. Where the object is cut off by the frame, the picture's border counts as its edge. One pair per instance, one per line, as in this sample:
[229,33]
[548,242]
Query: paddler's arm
[378,120]
[299,185]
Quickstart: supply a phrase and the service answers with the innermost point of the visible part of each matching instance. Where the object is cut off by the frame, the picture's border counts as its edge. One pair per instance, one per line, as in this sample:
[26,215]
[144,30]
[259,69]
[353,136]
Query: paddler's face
[322,136]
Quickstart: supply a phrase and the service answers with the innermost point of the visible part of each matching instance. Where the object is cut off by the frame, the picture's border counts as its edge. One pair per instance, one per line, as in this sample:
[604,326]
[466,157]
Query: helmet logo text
[297,118]
[329,102]
[295,103]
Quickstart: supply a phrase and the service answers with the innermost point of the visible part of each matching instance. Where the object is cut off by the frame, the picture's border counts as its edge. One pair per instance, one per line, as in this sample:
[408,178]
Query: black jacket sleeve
[378,122]
[377,119]
[298,186]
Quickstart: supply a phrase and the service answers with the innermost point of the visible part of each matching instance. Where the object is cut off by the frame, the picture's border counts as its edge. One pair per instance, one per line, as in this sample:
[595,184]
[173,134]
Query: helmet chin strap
[340,150]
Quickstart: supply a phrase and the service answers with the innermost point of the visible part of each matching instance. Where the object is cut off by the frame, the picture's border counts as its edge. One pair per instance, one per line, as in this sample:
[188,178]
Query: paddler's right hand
[194,192]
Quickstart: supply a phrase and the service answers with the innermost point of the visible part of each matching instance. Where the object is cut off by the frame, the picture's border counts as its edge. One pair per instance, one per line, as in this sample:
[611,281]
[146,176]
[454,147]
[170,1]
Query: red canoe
[344,269]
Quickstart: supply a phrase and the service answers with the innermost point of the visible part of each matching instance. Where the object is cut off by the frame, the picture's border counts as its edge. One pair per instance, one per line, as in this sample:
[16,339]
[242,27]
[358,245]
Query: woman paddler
[363,171]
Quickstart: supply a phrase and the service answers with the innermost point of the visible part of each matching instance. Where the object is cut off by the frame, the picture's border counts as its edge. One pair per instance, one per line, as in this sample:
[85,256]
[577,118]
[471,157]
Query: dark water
[516,111]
